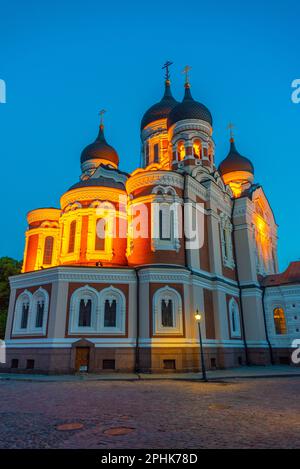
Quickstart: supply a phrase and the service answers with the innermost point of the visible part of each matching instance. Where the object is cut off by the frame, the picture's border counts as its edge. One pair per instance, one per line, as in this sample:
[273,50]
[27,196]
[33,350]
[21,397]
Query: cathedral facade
[112,278]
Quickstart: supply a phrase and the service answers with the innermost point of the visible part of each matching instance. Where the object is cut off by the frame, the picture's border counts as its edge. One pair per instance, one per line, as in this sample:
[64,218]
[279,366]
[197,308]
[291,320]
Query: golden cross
[186,70]
[231,126]
[101,114]
[166,66]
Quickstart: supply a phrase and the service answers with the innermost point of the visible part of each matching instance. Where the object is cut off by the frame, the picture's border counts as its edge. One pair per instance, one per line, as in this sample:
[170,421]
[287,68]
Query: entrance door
[82,359]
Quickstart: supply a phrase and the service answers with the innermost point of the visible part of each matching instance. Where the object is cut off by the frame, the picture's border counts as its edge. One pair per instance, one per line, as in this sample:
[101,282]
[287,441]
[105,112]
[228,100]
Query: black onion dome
[160,110]
[234,161]
[100,149]
[189,109]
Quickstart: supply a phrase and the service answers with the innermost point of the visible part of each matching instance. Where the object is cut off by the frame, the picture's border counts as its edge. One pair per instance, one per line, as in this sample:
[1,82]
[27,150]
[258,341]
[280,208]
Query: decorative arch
[112,310]
[279,321]
[83,310]
[167,312]
[40,307]
[234,319]
[23,311]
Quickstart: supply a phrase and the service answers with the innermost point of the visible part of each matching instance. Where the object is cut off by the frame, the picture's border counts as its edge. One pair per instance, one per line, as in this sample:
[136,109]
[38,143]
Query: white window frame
[111,294]
[33,299]
[233,308]
[167,294]
[84,293]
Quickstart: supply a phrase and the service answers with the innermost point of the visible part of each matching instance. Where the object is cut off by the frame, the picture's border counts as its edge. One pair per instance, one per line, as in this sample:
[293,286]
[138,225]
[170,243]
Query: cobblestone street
[258,413]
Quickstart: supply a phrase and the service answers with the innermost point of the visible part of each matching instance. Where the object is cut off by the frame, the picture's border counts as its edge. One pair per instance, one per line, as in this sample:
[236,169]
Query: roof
[234,161]
[100,149]
[104,176]
[290,275]
[189,109]
[161,109]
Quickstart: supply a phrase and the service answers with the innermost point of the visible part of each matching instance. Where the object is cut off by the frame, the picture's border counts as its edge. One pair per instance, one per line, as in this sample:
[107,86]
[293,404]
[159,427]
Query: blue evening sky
[63,61]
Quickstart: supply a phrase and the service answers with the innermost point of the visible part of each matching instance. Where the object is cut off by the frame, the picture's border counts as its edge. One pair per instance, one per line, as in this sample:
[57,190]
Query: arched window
[25,315]
[197,149]
[40,304]
[100,234]
[113,310]
[226,241]
[110,313]
[166,223]
[83,311]
[48,250]
[72,236]
[279,321]
[180,151]
[234,319]
[167,312]
[155,153]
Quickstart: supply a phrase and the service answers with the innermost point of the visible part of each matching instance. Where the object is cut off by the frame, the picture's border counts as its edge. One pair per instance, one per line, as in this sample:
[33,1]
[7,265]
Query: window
[15,363]
[147,154]
[197,149]
[180,151]
[226,241]
[169,364]
[100,234]
[156,153]
[25,315]
[234,319]
[167,313]
[85,313]
[166,223]
[279,321]
[48,250]
[72,237]
[113,311]
[110,313]
[108,364]
[30,364]
[40,307]
[96,312]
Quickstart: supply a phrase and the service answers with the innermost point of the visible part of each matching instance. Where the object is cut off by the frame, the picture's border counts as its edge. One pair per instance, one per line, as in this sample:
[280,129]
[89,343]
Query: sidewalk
[253,372]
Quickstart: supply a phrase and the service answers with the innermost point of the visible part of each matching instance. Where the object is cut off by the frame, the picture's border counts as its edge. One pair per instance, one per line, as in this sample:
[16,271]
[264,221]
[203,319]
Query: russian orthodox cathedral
[112,278]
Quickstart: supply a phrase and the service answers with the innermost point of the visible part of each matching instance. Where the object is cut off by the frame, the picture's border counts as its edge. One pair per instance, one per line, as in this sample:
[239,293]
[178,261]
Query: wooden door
[82,359]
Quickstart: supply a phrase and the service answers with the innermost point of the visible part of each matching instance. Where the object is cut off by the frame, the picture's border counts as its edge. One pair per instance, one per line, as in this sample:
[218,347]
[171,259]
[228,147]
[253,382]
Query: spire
[186,70]
[101,137]
[168,92]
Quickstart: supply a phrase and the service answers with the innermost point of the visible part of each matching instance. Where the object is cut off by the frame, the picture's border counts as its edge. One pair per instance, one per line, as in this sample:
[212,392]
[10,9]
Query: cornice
[151,178]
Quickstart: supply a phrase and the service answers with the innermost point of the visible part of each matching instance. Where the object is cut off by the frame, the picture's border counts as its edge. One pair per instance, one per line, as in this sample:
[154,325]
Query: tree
[8,267]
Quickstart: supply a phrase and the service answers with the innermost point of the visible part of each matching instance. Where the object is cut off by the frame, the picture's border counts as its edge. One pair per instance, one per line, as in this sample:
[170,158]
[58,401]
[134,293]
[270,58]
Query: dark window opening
[110,313]
[284,360]
[40,314]
[48,250]
[25,313]
[170,364]
[213,363]
[85,313]
[15,363]
[240,360]
[109,364]
[30,364]
[166,223]
[156,153]
[167,313]
[72,237]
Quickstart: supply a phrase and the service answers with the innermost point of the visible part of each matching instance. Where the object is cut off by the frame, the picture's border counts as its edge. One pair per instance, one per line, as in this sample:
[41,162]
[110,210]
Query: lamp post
[198,318]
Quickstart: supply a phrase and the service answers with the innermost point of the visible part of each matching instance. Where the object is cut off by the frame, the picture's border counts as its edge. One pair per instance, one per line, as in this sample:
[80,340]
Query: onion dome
[234,161]
[160,110]
[189,109]
[100,150]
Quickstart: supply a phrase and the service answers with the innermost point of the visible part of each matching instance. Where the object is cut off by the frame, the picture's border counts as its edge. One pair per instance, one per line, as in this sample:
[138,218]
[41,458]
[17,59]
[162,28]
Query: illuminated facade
[104,286]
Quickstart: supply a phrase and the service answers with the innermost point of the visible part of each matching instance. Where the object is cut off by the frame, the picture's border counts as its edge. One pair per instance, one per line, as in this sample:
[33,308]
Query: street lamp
[198,318]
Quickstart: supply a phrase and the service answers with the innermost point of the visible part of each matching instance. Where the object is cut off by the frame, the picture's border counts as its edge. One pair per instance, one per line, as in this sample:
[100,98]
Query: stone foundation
[123,359]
